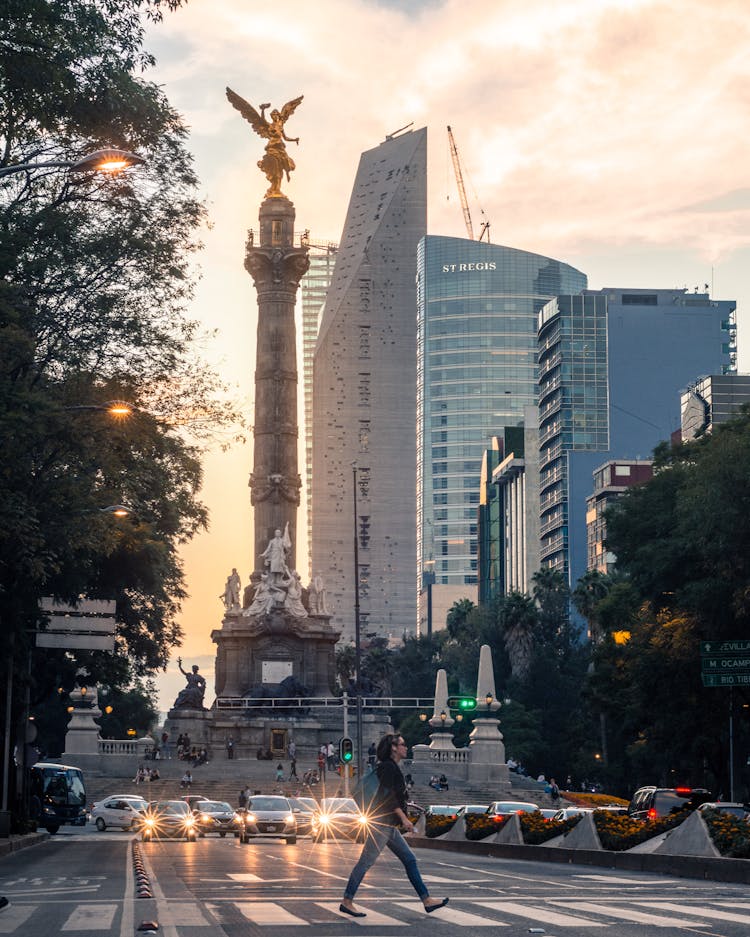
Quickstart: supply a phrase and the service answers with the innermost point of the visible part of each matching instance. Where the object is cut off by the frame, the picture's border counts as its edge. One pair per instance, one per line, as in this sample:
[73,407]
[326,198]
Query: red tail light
[684,791]
[652,814]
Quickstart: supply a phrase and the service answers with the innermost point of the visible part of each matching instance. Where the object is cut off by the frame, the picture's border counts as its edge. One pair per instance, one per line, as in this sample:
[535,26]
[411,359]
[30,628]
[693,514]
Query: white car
[118,810]
[567,813]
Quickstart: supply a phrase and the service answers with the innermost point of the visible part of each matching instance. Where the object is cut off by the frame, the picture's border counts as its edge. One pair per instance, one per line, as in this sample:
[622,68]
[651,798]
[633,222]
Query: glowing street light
[108,160]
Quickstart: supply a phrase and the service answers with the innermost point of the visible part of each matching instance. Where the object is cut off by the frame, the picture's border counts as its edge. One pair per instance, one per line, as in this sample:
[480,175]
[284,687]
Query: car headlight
[149,821]
[249,818]
[189,821]
[362,820]
[205,818]
[289,819]
[237,818]
[324,818]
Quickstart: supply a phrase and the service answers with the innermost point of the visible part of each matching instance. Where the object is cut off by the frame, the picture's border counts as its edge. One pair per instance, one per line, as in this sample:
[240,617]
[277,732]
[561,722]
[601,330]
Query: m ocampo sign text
[89,625]
[725,664]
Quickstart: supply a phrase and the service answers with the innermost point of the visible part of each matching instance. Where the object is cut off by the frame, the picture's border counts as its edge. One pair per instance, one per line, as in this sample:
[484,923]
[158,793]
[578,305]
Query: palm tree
[519,621]
[591,588]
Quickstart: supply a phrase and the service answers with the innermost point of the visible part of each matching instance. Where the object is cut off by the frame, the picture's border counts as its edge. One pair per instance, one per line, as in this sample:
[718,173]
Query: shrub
[730,835]
[584,799]
[436,825]
[618,832]
[535,829]
[480,825]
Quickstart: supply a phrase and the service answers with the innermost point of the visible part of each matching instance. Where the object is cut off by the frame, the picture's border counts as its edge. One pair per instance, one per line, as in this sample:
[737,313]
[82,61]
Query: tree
[95,274]
[520,624]
[457,616]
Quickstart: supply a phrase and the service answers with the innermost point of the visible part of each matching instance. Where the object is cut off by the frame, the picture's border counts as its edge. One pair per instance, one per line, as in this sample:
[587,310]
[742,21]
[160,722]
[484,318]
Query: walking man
[292,761]
[391,800]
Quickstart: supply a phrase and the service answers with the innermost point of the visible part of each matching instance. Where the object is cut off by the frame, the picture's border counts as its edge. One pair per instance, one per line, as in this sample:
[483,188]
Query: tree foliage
[95,275]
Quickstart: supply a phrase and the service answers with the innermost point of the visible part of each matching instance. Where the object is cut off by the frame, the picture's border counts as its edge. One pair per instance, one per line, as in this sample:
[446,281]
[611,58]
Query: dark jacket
[392,792]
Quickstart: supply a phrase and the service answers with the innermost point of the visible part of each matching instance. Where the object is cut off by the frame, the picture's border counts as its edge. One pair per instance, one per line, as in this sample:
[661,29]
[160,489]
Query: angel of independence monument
[275,665]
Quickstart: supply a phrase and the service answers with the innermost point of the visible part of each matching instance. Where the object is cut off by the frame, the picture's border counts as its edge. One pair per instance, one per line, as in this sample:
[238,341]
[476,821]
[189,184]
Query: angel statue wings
[276,161]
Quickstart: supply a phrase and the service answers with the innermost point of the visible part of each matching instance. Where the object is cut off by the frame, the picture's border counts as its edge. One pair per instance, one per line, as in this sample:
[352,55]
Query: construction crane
[462,193]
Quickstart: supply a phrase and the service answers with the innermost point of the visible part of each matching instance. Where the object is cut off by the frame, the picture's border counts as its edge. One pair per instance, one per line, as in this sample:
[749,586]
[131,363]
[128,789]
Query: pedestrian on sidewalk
[391,813]
[165,746]
[279,772]
[292,761]
[230,748]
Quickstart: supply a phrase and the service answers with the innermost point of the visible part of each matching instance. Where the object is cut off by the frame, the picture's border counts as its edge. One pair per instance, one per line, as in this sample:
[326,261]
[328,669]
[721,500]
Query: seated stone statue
[191,697]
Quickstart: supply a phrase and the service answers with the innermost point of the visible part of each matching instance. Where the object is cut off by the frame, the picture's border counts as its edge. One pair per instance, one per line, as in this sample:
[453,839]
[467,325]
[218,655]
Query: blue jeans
[377,839]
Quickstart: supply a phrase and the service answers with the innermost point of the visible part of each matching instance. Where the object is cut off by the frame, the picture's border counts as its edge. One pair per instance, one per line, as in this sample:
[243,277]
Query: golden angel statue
[276,161]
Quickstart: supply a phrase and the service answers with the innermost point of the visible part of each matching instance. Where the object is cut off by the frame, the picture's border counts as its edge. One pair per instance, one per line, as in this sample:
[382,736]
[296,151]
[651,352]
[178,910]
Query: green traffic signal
[464,703]
[346,750]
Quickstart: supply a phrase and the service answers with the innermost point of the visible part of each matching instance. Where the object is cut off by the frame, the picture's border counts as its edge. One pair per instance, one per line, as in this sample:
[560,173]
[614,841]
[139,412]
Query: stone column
[276,267]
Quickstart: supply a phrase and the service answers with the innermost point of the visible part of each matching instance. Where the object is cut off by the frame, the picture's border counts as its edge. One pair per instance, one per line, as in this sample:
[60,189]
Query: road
[81,883]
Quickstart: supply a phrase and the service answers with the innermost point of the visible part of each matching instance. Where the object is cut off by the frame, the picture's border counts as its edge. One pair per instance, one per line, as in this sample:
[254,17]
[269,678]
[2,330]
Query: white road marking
[267,912]
[617,880]
[127,921]
[541,915]
[522,878]
[14,916]
[698,912]
[91,917]
[454,916]
[238,877]
[637,917]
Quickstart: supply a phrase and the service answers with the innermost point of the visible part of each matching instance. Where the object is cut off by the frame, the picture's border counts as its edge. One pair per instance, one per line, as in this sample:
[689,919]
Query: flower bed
[618,832]
[535,829]
[437,824]
[730,835]
[584,799]
[480,825]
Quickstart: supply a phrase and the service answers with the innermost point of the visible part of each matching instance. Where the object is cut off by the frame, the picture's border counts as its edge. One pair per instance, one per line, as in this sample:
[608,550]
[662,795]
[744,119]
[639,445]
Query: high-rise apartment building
[476,369]
[611,481]
[611,365]
[313,289]
[711,400]
[364,396]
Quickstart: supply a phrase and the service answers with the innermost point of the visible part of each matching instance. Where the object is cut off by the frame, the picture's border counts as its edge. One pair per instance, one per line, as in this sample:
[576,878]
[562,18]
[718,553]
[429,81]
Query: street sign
[725,679]
[725,664]
[739,646]
[88,625]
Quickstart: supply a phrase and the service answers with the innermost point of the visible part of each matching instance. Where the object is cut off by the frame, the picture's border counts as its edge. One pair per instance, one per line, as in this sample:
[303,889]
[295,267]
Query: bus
[60,793]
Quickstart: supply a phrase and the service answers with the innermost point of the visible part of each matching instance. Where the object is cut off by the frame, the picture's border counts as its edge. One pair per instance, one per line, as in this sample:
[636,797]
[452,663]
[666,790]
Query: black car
[215,816]
[652,803]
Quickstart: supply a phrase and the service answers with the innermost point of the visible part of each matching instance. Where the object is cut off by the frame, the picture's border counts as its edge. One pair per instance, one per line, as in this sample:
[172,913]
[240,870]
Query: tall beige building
[313,289]
[364,396]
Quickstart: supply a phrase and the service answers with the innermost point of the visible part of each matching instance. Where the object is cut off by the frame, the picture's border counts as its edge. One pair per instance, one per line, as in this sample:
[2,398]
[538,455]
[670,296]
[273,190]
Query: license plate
[272,827]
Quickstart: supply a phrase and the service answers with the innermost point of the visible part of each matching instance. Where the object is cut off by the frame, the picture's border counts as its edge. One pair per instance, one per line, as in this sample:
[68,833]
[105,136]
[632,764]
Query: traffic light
[346,750]
[462,703]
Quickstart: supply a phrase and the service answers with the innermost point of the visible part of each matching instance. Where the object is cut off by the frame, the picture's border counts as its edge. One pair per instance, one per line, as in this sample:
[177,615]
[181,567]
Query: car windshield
[173,807]
[268,803]
[339,805]
[513,807]
[214,806]
[667,802]
[475,808]
[443,810]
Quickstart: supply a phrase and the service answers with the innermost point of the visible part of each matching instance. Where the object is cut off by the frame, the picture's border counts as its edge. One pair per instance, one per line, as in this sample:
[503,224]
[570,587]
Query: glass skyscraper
[477,309]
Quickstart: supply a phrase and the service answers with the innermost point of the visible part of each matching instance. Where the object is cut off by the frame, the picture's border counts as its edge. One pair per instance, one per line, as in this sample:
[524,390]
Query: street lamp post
[357,636]
[108,160]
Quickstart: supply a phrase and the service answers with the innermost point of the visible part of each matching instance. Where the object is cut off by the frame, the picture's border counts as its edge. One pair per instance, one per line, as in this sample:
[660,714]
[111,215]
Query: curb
[702,867]
[14,843]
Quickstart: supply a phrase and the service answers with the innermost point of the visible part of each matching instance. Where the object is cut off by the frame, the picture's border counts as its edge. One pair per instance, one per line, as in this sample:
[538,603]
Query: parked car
[337,818]
[443,810]
[215,816]
[464,809]
[119,810]
[164,819]
[565,813]
[504,808]
[739,811]
[650,803]
[617,809]
[303,809]
[548,812]
[268,815]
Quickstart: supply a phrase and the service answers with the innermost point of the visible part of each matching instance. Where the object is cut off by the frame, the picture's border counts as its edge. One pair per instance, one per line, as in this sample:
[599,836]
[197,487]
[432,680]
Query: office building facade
[313,290]
[611,481]
[611,365]
[711,400]
[476,372]
[364,396]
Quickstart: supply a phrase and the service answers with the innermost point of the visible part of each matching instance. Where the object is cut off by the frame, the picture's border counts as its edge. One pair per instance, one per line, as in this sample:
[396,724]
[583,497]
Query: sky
[608,134]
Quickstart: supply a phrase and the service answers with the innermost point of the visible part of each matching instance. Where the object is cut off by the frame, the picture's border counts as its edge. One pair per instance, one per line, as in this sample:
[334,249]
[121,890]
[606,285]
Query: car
[164,819]
[651,803]
[337,818]
[268,815]
[504,808]
[739,811]
[215,816]
[617,809]
[566,813]
[465,809]
[118,810]
[303,809]
[193,799]
[443,810]
[548,812]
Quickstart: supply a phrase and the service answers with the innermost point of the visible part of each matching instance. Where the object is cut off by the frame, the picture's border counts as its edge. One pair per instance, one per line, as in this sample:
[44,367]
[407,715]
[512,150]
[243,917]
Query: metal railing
[325,702]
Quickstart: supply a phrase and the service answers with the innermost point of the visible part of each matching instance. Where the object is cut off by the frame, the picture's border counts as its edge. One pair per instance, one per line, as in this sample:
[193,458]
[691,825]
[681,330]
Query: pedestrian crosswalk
[390,916]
